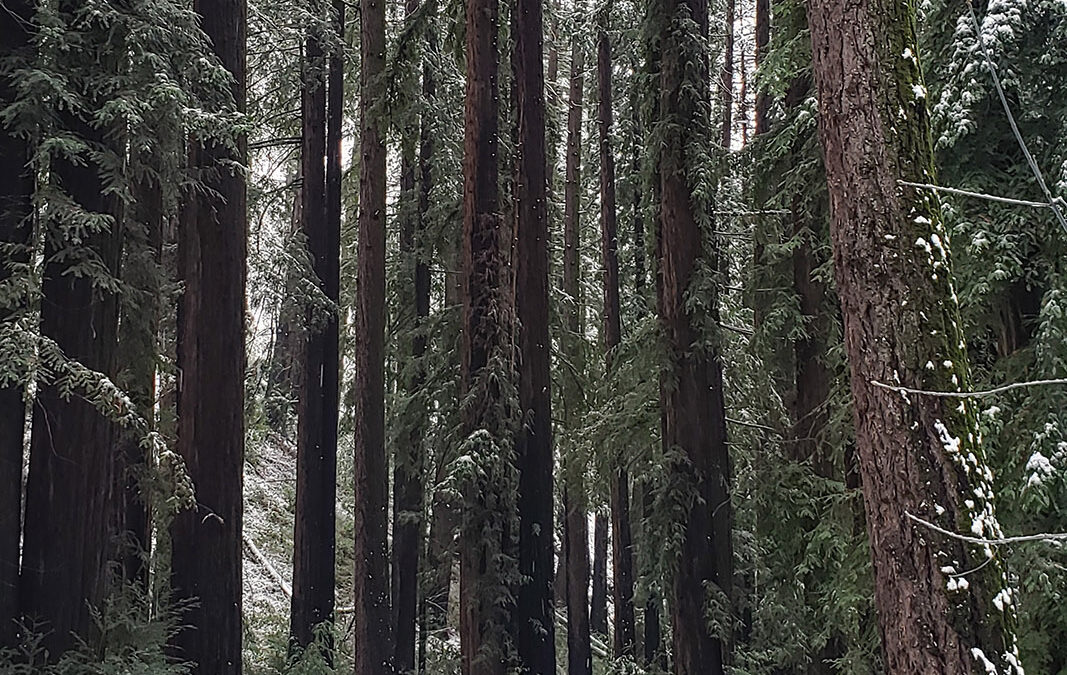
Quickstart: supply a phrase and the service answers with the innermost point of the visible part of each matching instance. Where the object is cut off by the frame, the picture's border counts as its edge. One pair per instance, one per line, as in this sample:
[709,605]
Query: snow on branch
[262,559]
[979,195]
[981,541]
[969,394]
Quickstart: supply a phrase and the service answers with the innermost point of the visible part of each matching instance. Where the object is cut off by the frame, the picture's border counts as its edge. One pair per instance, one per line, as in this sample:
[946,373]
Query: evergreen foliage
[123,88]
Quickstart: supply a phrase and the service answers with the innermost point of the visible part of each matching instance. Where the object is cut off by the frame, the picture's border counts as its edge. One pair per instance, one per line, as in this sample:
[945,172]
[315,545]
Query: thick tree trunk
[576,579]
[918,455]
[533,619]
[373,634]
[693,414]
[69,489]
[575,520]
[598,608]
[16,192]
[485,569]
[423,284]
[638,217]
[622,543]
[314,538]
[411,453]
[206,558]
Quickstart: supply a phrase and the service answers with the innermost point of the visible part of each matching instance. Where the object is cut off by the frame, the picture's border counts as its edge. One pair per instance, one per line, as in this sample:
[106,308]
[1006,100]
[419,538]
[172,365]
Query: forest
[583,337]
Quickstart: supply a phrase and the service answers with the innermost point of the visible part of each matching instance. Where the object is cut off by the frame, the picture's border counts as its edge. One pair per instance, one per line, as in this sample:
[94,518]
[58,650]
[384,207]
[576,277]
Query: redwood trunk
[598,609]
[533,619]
[373,622]
[15,209]
[622,543]
[206,558]
[487,344]
[68,491]
[693,414]
[314,542]
[918,455]
[575,522]
[410,453]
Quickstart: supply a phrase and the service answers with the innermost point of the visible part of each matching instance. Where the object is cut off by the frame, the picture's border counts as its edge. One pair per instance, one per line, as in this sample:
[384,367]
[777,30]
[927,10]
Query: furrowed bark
[16,193]
[373,621]
[918,455]
[206,558]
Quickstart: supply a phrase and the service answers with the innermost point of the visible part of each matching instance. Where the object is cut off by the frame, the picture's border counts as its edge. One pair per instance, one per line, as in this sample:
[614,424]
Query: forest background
[277,369]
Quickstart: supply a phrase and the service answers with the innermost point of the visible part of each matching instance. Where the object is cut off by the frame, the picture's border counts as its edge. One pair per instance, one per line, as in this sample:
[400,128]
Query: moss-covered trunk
[918,454]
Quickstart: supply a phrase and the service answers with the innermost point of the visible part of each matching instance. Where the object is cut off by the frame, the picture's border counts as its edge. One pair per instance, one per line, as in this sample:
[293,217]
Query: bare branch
[969,394]
[981,541]
[979,195]
[262,559]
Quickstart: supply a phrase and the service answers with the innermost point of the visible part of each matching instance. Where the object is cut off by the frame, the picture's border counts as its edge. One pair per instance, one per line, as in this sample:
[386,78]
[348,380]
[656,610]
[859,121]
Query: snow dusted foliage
[1010,273]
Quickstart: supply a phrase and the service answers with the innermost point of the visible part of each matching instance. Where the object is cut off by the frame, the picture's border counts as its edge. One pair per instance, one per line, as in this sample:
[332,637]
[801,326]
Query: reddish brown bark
[693,413]
[410,454]
[918,455]
[598,606]
[68,491]
[575,522]
[533,619]
[373,623]
[314,541]
[206,558]
[15,209]
[622,543]
[487,345]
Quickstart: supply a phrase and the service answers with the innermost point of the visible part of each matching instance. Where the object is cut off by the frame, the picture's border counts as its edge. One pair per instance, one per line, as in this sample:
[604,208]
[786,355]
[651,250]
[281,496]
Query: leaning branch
[981,541]
[977,195]
[969,394]
[262,560]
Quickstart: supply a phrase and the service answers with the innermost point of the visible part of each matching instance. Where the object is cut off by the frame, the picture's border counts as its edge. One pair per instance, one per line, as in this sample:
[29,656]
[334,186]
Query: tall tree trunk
[534,618]
[422,295]
[693,412]
[763,42]
[575,519]
[760,299]
[902,327]
[69,491]
[314,542]
[651,638]
[206,558]
[726,82]
[487,356]
[373,622]
[411,452]
[622,544]
[16,192]
[598,607]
